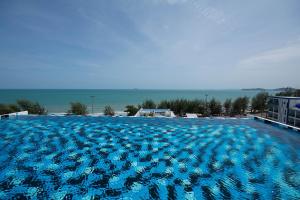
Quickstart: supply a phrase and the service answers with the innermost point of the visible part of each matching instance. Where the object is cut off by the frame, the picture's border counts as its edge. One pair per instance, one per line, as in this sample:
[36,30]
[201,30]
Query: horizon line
[258,88]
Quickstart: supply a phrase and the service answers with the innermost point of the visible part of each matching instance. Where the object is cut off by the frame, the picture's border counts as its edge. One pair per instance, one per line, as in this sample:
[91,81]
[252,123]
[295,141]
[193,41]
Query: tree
[4,109]
[25,104]
[194,106]
[236,107]
[291,92]
[227,106]
[244,104]
[201,107]
[215,107]
[32,108]
[108,111]
[164,104]
[131,110]
[297,93]
[240,105]
[178,106]
[149,104]
[286,92]
[259,102]
[14,108]
[78,108]
[183,106]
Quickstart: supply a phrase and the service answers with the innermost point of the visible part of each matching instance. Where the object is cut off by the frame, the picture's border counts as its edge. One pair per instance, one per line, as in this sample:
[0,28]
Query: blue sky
[164,44]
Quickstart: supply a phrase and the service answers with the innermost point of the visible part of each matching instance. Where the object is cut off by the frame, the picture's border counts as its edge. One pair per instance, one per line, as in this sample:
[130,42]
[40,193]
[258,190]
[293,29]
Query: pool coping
[269,121]
[265,120]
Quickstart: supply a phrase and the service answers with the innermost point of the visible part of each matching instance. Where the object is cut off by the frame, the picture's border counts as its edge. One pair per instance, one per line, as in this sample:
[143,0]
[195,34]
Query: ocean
[58,100]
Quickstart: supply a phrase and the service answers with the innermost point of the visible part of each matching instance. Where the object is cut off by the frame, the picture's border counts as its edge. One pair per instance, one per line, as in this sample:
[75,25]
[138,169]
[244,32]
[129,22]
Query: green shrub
[108,111]
[131,110]
[78,108]
[31,107]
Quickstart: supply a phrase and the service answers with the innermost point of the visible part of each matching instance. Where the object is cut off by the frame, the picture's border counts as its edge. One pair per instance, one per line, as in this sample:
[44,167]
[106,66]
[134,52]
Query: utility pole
[92,104]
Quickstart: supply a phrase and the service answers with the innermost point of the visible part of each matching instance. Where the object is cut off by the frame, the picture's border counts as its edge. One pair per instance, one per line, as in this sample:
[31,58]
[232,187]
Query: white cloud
[202,10]
[274,68]
[273,58]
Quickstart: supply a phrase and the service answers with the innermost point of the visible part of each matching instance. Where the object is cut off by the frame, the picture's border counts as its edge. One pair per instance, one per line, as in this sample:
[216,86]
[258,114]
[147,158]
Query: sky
[149,44]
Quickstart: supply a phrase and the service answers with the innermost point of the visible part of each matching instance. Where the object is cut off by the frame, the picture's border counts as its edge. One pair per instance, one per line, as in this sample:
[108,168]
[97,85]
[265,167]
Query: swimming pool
[147,158]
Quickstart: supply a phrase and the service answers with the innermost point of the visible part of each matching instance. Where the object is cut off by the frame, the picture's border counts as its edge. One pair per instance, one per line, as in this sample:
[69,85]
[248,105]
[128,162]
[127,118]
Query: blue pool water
[139,158]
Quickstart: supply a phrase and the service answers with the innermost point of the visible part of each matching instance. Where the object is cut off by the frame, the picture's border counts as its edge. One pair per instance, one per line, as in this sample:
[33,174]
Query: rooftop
[154,110]
[284,97]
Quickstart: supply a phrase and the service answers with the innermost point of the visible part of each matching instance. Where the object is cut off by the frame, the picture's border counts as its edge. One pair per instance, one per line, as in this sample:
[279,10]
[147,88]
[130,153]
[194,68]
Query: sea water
[59,100]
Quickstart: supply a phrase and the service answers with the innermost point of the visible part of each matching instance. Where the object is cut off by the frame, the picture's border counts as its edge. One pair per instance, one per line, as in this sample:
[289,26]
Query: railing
[275,122]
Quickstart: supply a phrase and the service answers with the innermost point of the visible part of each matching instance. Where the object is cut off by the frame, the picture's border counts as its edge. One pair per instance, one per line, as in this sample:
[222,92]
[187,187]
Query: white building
[155,113]
[13,115]
[285,110]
